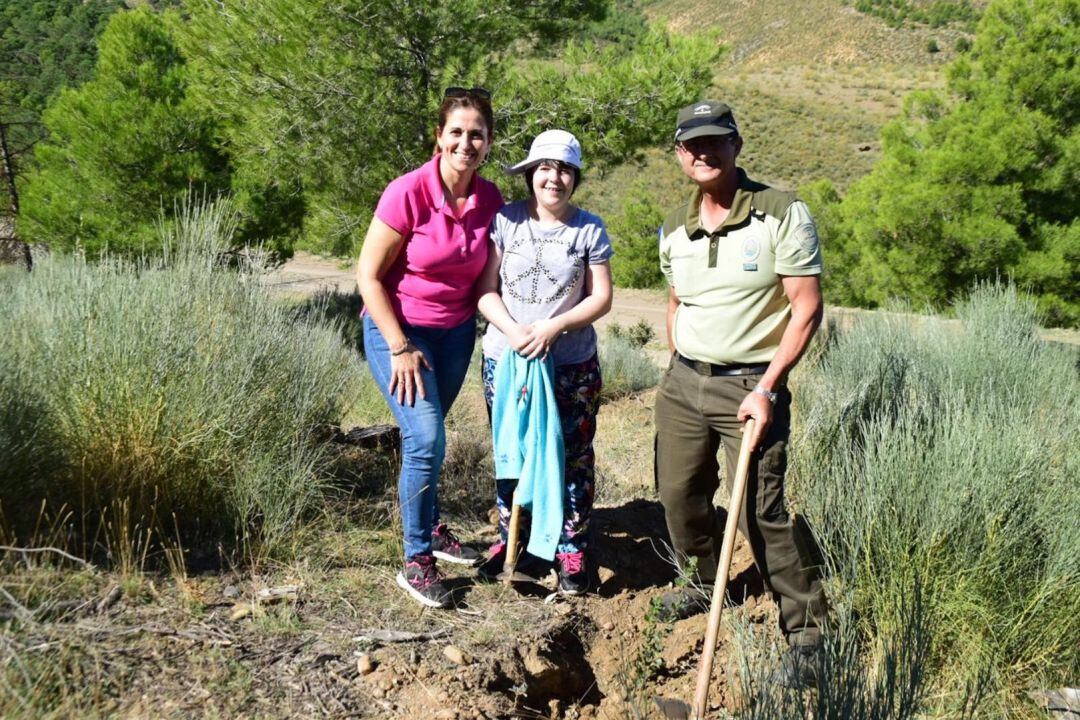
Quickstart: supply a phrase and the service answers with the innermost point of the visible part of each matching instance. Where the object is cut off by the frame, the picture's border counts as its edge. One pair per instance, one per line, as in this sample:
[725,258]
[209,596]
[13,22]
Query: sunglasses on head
[456,92]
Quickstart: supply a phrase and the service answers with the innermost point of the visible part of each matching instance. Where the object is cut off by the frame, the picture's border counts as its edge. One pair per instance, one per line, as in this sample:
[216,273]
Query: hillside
[812,84]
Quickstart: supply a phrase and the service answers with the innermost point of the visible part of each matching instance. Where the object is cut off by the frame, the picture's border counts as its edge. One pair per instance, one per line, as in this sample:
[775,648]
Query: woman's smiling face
[464,140]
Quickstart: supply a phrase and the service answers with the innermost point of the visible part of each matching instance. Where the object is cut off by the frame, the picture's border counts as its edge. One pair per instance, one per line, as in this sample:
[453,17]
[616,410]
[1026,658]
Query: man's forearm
[793,343]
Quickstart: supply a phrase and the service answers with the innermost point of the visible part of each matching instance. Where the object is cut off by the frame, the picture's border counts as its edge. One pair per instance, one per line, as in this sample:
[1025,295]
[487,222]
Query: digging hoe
[676,709]
[509,574]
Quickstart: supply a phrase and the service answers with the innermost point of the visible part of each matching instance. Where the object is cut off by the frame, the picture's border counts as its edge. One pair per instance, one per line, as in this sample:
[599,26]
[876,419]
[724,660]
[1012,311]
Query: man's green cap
[705,117]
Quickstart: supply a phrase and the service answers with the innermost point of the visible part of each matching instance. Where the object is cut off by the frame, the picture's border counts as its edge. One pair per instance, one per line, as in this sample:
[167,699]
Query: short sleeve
[395,207]
[665,256]
[599,250]
[798,250]
[497,230]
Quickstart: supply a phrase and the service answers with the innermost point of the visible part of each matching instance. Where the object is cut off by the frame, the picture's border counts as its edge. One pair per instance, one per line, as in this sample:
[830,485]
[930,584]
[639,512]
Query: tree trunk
[7,173]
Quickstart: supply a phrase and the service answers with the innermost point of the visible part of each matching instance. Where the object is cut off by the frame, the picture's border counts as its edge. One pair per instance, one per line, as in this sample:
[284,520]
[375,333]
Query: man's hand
[756,406]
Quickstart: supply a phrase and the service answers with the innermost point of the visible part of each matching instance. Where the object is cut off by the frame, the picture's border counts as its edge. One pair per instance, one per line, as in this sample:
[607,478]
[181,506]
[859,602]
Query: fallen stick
[268,596]
[399,636]
[109,598]
[29,551]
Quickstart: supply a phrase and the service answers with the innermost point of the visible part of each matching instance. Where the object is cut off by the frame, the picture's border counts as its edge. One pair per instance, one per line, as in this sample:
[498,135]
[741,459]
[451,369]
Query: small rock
[455,655]
[385,684]
[230,591]
[607,625]
[605,574]
[447,714]
[377,693]
[240,611]
[364,664]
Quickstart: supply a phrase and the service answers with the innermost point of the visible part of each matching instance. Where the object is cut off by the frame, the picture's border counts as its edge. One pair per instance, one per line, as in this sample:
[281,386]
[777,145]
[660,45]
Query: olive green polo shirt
[732,308]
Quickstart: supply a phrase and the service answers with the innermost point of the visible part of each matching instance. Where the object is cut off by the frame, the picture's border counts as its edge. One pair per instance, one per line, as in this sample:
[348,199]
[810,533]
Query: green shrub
[638,335]
[943,453]
[636,263]
[975,181]
[626,368]
[936,13]
[121,146]
[177,387]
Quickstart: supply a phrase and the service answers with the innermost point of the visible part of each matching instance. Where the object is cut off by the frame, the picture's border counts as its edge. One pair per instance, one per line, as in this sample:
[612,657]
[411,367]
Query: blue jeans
[423,428]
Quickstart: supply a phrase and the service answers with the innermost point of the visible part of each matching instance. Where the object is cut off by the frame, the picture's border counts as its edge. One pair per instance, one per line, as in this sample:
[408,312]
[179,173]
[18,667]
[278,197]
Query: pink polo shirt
[432,282]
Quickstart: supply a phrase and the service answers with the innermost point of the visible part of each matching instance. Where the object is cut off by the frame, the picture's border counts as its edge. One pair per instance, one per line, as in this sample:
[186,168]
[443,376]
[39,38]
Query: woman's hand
[519,337]
[406,380]
[543,333]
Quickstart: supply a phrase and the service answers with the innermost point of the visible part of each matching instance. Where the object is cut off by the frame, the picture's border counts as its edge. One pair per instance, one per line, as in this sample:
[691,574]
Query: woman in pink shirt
[422,255]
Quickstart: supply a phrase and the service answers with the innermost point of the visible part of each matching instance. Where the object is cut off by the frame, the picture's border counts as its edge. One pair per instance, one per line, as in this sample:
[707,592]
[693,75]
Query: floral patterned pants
[577,395]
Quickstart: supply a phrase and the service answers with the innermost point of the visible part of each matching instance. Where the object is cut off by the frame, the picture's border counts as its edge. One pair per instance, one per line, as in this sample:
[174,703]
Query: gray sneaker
[446,546]
[573,573]
[422,581]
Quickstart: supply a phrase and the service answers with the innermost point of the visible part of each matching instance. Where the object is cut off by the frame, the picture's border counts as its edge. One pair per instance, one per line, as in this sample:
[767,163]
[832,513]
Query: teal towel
[529,444]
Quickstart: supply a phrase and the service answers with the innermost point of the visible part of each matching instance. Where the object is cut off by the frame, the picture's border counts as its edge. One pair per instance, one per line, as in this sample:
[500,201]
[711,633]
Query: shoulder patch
[807,237]
[773,202]
[675,219]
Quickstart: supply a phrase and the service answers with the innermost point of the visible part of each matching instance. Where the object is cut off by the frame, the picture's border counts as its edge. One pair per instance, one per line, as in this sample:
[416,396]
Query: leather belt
[709,369]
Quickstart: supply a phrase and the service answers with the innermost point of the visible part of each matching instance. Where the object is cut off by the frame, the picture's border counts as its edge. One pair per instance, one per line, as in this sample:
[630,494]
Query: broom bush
[625,367]
[175,386]
[941,456]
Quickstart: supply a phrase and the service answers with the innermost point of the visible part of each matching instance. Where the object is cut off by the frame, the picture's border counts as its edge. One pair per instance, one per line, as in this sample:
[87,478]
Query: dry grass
[624,449]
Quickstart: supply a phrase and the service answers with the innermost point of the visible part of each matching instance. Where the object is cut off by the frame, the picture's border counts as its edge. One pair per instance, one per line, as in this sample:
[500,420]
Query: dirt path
[307,274]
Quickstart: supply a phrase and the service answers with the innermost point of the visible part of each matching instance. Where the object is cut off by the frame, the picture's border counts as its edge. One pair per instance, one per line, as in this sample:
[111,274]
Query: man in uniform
[743,265]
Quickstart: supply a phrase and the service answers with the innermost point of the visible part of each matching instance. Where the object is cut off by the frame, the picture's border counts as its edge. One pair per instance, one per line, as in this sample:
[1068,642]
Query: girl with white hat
[546,281]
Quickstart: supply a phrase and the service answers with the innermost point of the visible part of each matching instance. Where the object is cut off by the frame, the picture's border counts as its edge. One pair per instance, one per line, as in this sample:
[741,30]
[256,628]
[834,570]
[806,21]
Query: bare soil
[203,646]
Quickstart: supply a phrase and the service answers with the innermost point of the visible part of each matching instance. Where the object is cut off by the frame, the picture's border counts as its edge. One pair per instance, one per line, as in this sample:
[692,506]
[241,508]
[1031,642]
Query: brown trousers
[694,415]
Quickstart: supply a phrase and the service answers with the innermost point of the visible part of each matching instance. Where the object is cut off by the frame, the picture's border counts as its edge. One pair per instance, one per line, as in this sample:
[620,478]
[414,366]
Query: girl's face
[464,141]
[552,184]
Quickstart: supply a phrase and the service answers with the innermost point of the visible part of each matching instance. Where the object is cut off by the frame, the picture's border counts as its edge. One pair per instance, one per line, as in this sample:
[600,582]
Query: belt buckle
[703,368]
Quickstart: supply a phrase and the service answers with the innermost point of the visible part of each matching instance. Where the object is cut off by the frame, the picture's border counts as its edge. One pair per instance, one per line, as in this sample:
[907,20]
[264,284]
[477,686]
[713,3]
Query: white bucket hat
[550,145]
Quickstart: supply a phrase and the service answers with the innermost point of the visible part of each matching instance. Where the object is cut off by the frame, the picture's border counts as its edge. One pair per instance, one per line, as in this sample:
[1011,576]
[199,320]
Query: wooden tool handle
[738,491]
[512,539]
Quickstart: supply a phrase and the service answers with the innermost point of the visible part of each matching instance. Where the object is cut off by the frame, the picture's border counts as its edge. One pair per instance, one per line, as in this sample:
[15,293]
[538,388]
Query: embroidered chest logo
[540,282]
[750,250]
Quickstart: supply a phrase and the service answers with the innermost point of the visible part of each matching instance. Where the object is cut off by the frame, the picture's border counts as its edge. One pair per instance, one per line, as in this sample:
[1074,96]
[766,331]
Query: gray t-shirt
[543,274]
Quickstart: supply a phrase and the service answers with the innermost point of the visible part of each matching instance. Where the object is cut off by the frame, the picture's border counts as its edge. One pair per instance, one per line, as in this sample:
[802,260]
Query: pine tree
[978,181]
[323,102]
[123,147]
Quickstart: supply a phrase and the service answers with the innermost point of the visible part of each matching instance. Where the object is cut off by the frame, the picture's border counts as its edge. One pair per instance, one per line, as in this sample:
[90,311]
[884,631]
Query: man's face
[708,158]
